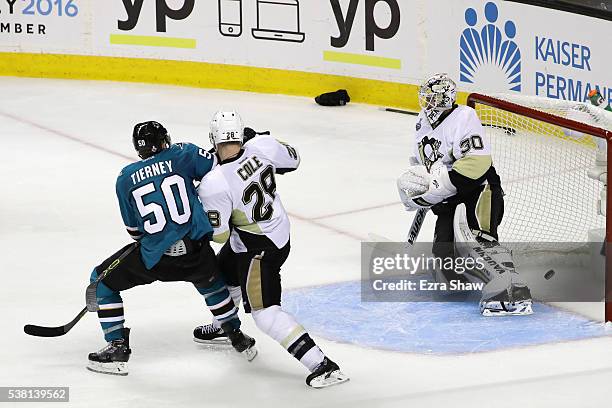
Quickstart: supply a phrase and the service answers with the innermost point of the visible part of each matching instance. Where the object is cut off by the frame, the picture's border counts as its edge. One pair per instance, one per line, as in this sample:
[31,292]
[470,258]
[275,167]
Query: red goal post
[557,120]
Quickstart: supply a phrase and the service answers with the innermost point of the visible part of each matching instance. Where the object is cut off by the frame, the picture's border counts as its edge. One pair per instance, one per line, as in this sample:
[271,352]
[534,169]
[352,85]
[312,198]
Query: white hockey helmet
[437,94]
[226,127]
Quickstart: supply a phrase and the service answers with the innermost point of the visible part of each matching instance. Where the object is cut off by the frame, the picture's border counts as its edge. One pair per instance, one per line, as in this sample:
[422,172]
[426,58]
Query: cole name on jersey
[249,168]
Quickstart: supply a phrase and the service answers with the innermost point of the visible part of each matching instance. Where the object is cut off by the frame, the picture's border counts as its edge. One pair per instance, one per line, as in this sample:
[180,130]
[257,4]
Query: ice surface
[429,327]
[64,143]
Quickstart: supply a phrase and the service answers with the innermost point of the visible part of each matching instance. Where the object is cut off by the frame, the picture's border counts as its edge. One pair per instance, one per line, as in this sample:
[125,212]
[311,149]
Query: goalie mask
[437,95]
[226,127]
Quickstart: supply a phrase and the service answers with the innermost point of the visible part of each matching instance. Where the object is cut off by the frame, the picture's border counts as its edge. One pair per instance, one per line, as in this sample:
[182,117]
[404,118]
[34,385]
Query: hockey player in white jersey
[452,173]
[247,215]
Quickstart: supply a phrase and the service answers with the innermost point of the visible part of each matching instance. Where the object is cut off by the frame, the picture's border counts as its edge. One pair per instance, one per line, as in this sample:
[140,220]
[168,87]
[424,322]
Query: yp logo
[163,13]
[373,31]
[488,56]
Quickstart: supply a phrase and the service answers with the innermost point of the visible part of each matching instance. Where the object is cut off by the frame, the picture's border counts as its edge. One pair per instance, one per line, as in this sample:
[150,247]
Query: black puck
[549,274]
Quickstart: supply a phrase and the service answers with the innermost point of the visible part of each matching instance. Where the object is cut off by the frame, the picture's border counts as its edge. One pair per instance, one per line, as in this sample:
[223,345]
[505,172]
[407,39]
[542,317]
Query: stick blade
[40,331]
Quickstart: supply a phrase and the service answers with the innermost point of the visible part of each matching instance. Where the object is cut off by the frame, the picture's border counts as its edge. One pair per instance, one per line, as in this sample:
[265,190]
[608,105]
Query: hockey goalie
[452,174]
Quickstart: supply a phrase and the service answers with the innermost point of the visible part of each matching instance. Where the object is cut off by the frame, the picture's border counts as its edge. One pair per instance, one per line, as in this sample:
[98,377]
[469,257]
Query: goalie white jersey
[457,139]
[240,195]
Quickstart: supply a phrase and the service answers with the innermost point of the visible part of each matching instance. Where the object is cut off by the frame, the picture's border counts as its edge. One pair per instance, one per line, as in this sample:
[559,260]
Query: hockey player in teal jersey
[157,198]
[162,212]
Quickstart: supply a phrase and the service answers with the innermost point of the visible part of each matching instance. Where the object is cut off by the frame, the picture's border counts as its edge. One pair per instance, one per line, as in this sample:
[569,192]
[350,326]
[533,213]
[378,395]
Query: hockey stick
[43,331]
[413,233]
[509,130]
[91,300]
[417,223]
[402,111]
[375,239]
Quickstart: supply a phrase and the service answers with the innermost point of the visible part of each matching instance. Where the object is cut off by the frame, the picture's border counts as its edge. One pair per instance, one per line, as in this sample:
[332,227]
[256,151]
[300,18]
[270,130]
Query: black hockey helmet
[150,138]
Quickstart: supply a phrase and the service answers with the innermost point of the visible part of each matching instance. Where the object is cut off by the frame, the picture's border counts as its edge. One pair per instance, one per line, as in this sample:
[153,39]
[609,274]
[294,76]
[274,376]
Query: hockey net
[551,157]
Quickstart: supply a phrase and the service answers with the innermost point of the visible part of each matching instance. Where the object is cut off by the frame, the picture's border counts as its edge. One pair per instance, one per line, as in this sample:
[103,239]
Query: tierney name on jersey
[152,170]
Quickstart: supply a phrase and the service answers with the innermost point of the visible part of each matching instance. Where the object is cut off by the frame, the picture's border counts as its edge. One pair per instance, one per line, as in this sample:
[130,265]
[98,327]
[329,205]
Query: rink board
[336,312]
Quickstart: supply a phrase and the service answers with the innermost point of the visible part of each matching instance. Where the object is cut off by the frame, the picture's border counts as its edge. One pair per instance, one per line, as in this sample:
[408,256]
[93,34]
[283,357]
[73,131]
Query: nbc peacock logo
[488,56]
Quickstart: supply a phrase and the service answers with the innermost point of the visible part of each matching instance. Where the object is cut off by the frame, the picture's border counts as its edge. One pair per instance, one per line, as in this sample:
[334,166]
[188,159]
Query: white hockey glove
[413,183]
[439,188]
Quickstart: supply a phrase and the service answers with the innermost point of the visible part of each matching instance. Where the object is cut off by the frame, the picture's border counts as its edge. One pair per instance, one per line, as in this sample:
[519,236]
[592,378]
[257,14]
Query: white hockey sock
[283,328]
[236,294]
[312,358]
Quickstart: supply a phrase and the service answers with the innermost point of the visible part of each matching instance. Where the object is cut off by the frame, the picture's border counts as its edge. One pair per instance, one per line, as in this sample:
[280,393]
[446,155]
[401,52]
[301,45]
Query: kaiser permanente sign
[519,48]
[366,45]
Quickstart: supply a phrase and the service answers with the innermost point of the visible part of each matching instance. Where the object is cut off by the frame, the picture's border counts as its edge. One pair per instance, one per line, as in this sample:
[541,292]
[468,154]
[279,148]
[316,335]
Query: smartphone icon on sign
[230,17]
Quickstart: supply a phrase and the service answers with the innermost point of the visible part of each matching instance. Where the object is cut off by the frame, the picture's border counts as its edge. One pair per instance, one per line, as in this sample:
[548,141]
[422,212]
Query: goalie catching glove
[419,189]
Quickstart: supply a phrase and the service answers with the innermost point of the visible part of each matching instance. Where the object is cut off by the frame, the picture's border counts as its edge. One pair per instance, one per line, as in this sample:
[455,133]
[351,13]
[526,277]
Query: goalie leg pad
[515,300]
[490,309]
[505,292]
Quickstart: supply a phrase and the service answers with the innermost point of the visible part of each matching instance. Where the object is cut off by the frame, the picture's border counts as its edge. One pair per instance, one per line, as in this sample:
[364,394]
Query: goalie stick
[90,298]
[413,232]
[417,223]
[509,130]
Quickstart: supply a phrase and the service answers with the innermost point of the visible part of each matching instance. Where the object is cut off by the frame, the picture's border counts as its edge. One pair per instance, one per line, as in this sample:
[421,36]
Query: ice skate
[242,343]
[326,374]
[113,358]
[210,335]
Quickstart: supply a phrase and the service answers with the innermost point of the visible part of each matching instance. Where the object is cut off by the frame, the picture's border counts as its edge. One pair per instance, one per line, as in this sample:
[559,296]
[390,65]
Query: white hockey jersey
[458,140]
[240,193]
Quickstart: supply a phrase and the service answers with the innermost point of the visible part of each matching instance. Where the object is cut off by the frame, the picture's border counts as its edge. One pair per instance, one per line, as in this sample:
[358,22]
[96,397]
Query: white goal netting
[544,168]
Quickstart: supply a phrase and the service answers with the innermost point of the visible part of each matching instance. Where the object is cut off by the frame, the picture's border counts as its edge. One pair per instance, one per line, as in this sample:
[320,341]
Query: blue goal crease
[337,312]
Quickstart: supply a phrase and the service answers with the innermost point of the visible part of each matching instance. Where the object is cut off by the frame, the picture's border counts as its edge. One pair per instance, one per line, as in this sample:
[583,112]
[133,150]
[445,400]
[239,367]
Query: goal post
[552,156]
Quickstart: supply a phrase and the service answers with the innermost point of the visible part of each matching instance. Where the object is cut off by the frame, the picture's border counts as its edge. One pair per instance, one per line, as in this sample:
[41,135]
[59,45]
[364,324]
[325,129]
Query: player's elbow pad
[473,166]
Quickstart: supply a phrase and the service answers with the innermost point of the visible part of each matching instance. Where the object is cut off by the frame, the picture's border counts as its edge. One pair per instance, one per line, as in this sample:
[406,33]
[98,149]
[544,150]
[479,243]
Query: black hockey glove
[249,133]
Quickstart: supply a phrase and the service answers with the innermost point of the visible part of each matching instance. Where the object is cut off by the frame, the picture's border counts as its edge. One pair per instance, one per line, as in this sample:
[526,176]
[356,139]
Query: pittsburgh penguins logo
[429,150]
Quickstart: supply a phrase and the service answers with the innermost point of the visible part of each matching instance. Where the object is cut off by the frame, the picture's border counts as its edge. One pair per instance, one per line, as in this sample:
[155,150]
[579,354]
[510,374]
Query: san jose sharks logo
[429,150]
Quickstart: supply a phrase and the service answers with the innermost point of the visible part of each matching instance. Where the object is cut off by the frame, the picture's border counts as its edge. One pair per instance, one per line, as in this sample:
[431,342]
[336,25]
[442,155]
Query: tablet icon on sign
[278,20]
[230,18]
